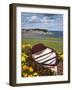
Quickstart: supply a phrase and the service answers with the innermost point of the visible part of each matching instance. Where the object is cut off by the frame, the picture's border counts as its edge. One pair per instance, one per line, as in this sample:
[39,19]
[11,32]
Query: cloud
[52,22]
[38,19]
[44,20]
[33,18]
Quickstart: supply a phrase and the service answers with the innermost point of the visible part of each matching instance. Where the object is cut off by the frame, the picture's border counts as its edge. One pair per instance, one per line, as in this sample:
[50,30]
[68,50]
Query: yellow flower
[30,69]
[61,56]
[26,45]
[22,46]
[30,75]
[35,74]
[25,55]
[29,45]
[24,67]
[23,58]
[25,75]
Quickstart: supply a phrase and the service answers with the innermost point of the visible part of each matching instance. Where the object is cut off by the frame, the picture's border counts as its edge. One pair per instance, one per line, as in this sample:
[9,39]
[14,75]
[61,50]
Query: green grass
[55,44]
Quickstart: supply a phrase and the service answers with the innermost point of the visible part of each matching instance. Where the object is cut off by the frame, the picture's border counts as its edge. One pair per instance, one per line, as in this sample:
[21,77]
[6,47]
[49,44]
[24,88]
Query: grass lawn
[55,43]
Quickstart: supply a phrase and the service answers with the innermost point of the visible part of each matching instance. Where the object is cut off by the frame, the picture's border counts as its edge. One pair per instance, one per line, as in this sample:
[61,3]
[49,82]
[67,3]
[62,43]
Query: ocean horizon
[49,34]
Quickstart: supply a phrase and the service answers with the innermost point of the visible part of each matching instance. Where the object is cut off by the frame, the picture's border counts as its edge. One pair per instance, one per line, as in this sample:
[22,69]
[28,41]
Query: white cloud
[44,20]
[33,18]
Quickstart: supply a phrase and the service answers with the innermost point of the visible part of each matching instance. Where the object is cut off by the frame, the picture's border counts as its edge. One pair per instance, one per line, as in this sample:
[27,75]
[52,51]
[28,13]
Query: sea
[49,34]
[55,34]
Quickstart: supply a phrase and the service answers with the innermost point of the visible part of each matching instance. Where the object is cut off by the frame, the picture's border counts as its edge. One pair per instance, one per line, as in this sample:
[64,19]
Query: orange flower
[27,67]
[30,69]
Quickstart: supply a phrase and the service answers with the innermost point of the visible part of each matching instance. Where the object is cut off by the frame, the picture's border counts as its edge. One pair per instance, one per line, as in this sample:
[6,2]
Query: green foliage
[50,42]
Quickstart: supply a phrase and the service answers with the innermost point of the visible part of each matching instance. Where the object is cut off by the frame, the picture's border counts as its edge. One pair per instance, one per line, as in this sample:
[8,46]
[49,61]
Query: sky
[50,22]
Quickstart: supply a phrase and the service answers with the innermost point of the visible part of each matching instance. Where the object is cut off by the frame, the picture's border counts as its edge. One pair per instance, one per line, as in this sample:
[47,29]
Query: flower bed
[30,68]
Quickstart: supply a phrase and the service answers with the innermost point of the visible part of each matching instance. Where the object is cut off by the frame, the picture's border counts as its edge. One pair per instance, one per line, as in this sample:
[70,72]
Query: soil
[60,68]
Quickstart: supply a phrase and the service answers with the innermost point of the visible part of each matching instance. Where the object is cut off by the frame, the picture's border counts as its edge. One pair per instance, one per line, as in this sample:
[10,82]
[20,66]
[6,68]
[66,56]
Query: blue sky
[51,22]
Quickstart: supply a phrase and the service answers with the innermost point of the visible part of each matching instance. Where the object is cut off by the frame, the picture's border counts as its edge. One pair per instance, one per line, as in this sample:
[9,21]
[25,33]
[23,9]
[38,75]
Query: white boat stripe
[43,57]
[46,57]
[53,61]
[47,50]
[46,60]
